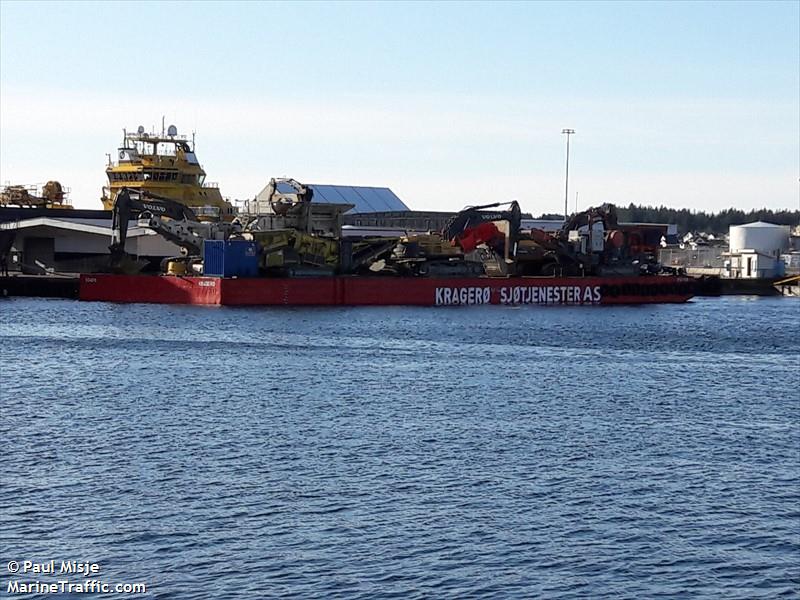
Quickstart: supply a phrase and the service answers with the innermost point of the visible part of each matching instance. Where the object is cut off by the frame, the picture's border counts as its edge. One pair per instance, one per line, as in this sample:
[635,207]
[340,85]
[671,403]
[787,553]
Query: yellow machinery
[432,244]
[284,247]
[176,267]
[51,195]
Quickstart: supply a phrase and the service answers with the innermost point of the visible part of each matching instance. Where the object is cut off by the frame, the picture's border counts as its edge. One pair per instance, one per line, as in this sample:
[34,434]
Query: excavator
[474,242]
[591,242]
[605,214]
[488,237]
[475,225]
[174,221]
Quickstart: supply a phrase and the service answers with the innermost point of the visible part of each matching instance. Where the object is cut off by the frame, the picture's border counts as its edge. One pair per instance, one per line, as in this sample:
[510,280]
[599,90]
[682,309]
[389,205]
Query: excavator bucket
[126,264]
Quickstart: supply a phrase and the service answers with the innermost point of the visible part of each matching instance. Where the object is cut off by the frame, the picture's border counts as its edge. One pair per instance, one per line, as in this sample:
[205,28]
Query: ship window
[201,179]
[147,175]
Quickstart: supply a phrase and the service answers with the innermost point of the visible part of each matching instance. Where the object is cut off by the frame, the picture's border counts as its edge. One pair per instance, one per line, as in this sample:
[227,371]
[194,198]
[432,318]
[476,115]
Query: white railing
[206,211]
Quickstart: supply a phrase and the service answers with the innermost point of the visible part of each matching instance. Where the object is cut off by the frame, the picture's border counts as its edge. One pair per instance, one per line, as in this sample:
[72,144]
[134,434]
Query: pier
[41,286]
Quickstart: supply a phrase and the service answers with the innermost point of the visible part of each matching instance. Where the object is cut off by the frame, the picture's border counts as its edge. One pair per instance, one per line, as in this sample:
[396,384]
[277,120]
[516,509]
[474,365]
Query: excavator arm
[303,192]
[130,204]
[475,225]
[606,214]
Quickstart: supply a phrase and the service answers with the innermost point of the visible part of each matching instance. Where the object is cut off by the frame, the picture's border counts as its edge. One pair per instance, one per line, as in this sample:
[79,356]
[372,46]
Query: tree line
[700,221]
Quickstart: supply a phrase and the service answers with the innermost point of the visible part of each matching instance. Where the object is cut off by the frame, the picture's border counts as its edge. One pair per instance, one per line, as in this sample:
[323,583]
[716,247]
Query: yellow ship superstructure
[165,165]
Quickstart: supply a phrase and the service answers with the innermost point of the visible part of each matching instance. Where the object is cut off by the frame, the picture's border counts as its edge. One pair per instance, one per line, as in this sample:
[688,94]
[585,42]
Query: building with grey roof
[364,199]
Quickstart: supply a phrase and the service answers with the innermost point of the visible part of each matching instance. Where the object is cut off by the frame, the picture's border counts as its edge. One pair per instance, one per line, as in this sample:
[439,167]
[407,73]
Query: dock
[722,286]
[40,286]
[790,286]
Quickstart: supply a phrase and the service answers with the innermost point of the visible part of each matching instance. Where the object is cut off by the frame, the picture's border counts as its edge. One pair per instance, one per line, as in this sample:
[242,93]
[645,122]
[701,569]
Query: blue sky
[684,104]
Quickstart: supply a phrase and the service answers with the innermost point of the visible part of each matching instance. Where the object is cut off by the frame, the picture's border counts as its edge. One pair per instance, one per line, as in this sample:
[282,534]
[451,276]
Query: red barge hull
[384,291]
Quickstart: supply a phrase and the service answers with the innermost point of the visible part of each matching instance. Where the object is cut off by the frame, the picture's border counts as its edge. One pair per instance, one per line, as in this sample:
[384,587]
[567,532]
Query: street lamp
[568,132]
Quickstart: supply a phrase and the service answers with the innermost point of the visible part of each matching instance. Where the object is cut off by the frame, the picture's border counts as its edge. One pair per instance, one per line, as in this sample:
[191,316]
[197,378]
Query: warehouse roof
[93,226]
[364,199]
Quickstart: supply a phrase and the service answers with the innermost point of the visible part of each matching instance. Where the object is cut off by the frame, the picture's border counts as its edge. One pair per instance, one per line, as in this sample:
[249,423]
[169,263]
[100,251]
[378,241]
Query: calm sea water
[562,452]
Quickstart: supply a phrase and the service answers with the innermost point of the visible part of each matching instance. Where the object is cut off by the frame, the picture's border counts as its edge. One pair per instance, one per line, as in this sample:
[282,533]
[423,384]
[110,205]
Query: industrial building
[756,250]
[71,244]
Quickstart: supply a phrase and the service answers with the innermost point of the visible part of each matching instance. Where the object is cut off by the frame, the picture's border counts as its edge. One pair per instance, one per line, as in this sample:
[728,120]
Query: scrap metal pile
[51,195]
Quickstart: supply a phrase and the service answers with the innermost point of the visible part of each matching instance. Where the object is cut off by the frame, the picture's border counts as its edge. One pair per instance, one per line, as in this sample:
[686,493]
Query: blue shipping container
[232,258]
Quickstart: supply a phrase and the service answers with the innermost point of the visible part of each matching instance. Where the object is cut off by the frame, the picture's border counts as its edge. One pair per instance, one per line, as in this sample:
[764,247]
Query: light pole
[569,132]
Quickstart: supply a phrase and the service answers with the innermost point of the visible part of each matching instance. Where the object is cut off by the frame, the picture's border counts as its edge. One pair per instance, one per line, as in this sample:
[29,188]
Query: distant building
[400,220]
[75,244]
[756,250]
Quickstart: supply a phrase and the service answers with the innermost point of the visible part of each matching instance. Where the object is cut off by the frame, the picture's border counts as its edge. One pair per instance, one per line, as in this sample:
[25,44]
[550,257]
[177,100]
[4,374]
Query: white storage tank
[762,237]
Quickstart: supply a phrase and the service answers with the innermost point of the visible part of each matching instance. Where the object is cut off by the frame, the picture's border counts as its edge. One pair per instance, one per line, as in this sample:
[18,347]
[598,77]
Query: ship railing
[211,184]
[206,211]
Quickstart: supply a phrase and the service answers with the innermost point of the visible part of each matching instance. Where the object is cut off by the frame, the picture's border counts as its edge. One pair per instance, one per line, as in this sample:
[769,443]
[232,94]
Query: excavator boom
[130,204]
[474,225]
